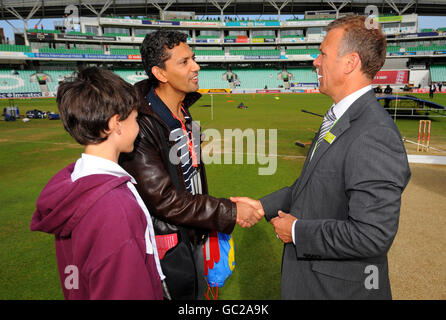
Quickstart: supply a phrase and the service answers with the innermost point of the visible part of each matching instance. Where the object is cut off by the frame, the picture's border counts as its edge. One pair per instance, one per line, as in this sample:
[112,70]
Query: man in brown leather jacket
[175,188]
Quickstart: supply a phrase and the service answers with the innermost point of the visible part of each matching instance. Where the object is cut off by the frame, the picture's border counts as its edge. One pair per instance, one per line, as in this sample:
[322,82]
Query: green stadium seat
[438,73]
[302,51]
[393,48]
[212,79]
[15,48]
[18,83]
[208,78]
[254,52]
[125,51]
[207,37]
[131,75]
[70,51]
[43,31]
[78,33]
[304,75]
[113,34]
[209,52]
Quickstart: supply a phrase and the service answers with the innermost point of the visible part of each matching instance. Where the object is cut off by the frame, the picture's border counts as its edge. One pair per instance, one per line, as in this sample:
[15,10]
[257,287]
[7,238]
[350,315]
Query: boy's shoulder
[113,222]
[117,211]
[119,200]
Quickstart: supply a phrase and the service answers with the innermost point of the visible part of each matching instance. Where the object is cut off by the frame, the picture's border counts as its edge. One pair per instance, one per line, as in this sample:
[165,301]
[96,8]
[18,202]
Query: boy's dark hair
[87,102]
[154,50]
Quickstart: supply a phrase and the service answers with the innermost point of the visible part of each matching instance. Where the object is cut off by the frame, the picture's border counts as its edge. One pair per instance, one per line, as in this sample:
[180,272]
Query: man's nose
[195,66]
[316,62]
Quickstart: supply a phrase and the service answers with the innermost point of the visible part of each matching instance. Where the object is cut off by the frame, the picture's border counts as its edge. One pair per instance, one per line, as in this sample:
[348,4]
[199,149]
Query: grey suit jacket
[347,201]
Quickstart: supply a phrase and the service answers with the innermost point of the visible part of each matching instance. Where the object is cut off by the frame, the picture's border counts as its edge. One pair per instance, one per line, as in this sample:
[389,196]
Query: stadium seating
[78,33]
[208,78]
[212,79]
[115,34]
[131,75]
[14,47]
[70,51]
[425,48]
[304,75]
[254,52]
[55,76]
[267,36]
[438,73]
[43,31]
[391,49]
[209,52]
[125,51]
[292,36]
[302,51]
[257,78]
[16,83]
[207,37]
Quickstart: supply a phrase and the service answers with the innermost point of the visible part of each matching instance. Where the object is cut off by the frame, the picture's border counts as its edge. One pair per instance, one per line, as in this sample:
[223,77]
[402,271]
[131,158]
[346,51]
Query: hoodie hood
[63,203]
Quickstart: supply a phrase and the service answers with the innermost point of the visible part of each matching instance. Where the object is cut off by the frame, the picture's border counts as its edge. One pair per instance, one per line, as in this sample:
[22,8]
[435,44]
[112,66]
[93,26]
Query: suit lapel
[338,129]
[342,125]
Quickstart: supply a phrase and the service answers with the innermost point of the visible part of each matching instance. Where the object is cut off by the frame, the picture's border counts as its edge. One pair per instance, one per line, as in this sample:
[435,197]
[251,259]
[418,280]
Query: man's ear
[159,73]
[352,62]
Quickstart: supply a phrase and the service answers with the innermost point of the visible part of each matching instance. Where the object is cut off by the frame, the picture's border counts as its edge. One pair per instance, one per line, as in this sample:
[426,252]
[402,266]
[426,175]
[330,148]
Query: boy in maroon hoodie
[105,244]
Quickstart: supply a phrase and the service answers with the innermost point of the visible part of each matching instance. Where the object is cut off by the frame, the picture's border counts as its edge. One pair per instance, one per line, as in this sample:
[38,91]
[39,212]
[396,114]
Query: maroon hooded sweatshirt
[99,233]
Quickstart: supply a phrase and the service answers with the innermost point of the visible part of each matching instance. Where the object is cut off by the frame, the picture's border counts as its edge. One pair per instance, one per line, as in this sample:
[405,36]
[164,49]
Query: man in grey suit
[344,207]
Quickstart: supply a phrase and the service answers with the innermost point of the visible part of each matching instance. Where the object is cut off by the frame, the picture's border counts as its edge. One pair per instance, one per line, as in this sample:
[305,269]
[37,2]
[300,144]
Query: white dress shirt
[339,109]
[89,164]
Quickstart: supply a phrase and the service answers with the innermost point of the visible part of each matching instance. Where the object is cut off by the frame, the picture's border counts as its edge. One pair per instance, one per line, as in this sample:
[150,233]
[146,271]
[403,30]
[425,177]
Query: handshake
[250,211]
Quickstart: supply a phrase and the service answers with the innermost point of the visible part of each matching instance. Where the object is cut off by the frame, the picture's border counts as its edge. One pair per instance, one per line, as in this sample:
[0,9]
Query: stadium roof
[56,8]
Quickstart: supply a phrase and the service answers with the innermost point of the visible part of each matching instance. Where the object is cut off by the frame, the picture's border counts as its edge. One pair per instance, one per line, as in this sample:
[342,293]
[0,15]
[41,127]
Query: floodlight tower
[394,7]
[222,9]
[331,3]
[14,12]
[98,14]
[162,10]
[275,5]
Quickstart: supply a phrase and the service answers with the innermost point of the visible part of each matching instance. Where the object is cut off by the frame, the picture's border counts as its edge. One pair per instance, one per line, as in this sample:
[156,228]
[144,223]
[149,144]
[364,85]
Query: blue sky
[423,23]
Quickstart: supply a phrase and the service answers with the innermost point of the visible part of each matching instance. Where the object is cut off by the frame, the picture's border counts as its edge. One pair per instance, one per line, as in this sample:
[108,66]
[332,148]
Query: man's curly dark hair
[154,50]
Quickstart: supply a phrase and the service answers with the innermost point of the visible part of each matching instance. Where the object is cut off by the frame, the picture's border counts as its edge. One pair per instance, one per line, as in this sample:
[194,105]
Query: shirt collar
[162,110]
[342,106]
[89,164]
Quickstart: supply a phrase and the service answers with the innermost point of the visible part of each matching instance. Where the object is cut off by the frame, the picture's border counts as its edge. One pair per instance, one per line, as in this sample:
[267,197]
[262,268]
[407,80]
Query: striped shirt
[183,157]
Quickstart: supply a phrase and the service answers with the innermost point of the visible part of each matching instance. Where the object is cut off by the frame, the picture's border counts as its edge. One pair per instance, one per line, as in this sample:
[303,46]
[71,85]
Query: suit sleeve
[376,173]
[278,200]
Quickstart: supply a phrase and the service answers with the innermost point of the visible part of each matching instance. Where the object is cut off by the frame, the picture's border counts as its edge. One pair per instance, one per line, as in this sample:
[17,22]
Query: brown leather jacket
[167,204]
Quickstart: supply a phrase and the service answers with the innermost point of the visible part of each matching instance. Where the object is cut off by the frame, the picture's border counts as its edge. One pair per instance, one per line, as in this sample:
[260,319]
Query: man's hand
[283,225]
[248,212]
[256,204]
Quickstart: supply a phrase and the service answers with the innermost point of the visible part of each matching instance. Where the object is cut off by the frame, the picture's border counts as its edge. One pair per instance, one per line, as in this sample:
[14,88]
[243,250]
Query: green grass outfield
[31,153]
